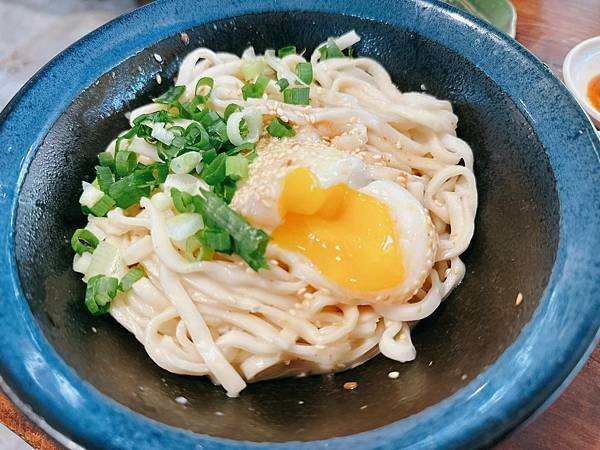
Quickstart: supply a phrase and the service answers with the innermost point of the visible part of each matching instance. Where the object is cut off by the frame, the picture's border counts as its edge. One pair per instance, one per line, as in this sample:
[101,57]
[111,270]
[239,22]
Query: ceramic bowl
[581,64]
[484,364]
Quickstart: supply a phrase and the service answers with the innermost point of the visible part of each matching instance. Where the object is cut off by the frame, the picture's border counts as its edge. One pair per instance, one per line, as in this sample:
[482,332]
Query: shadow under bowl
[473,348]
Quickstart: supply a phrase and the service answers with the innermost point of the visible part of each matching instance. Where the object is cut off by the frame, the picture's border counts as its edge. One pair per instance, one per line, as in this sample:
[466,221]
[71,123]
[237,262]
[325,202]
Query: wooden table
[549,28]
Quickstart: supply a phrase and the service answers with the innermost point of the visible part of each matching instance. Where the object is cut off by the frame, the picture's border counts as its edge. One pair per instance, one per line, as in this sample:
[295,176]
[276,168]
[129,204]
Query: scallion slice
[282,84]
[236,167]
[105,178]
[288,50]
[256,89]
[214,172]
[182,226]
[231,108]
[134,274]
[182,201]
[297,96]
[106,159]
[185,163]
[125,162]
[278,128]
[305,72]
[218,240]
[330,50]
[102,206]
[202,84]
[100,291]
[171,96]
[84,241]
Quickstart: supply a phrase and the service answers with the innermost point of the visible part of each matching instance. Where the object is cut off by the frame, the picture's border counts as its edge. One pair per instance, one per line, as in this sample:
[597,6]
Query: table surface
[549,28]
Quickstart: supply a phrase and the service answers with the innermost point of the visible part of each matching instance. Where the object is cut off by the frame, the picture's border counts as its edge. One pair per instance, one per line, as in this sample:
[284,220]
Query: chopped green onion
[193,246]
[284,51]
[282,84]
[209,156]
[90,195]
[106,159]
[218,130]
[218,240]
[102,206]
[256,89]
[278,128]
[127,191]
[171,96]
[84,241]
[297,95]
[245,149]
[248,242]
[236,167]
[184,225]
[330,50]
[305,72]
[231,108]
[252,67]
[135,274]
[161,134]
[100,291]
[185,163]
[209,118]
[125,162]
[105,178]
[196,137]
[214,172]
[226,190]
[182,201]
[204,81]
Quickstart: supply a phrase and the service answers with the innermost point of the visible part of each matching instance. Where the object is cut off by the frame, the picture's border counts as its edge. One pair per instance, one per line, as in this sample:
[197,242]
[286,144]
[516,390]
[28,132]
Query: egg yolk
[349,236]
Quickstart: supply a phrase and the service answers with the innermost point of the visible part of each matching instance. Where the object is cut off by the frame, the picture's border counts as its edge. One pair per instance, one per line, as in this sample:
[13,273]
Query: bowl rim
[527,376]
[574,53]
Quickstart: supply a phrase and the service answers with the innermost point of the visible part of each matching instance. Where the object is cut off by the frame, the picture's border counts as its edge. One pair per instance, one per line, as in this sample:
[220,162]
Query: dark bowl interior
[518,204]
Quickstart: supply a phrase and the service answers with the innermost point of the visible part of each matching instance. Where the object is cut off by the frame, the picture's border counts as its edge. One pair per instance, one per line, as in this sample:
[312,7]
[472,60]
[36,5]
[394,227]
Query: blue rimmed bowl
[484,363]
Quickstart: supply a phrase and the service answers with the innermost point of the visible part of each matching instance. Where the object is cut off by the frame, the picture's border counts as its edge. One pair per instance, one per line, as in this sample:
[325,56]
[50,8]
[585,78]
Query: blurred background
[34,31]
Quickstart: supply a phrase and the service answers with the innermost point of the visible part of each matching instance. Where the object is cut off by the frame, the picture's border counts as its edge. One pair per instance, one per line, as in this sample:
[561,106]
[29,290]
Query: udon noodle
[222,319]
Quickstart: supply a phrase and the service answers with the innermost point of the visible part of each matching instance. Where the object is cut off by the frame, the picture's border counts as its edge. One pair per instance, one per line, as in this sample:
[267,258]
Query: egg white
[257,199]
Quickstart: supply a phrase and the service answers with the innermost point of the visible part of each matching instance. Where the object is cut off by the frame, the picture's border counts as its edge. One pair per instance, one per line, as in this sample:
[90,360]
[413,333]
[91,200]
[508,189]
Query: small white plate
[580,66]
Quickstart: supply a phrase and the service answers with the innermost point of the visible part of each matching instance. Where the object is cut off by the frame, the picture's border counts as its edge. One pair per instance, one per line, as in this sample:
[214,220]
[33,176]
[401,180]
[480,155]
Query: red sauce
[593,92]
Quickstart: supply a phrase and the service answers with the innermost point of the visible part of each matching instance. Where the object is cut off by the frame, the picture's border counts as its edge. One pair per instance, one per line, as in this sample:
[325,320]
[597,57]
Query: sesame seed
[430,363]
[393,375]
[94,330]
[158,58]
[301,402]
[364,407]
[181,400]
[158,78]
[463,377]
[519,299]
[350,385]
[219,413]
[184,38]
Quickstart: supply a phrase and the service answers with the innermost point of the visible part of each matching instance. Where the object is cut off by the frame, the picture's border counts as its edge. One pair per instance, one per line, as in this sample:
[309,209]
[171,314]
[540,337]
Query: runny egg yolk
[349,236]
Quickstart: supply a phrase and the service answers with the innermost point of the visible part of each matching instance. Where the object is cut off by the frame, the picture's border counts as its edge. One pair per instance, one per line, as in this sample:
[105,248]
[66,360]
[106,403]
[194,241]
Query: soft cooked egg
[365,241]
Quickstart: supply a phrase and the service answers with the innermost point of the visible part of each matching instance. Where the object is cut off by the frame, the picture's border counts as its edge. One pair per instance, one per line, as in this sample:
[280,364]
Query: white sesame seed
[184,38]
[519,299]
[393,375]
[219,413]
[94,330]
[364,407]
[301,402]
[158,78]
[181,400]
[463,377]
[158,58]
